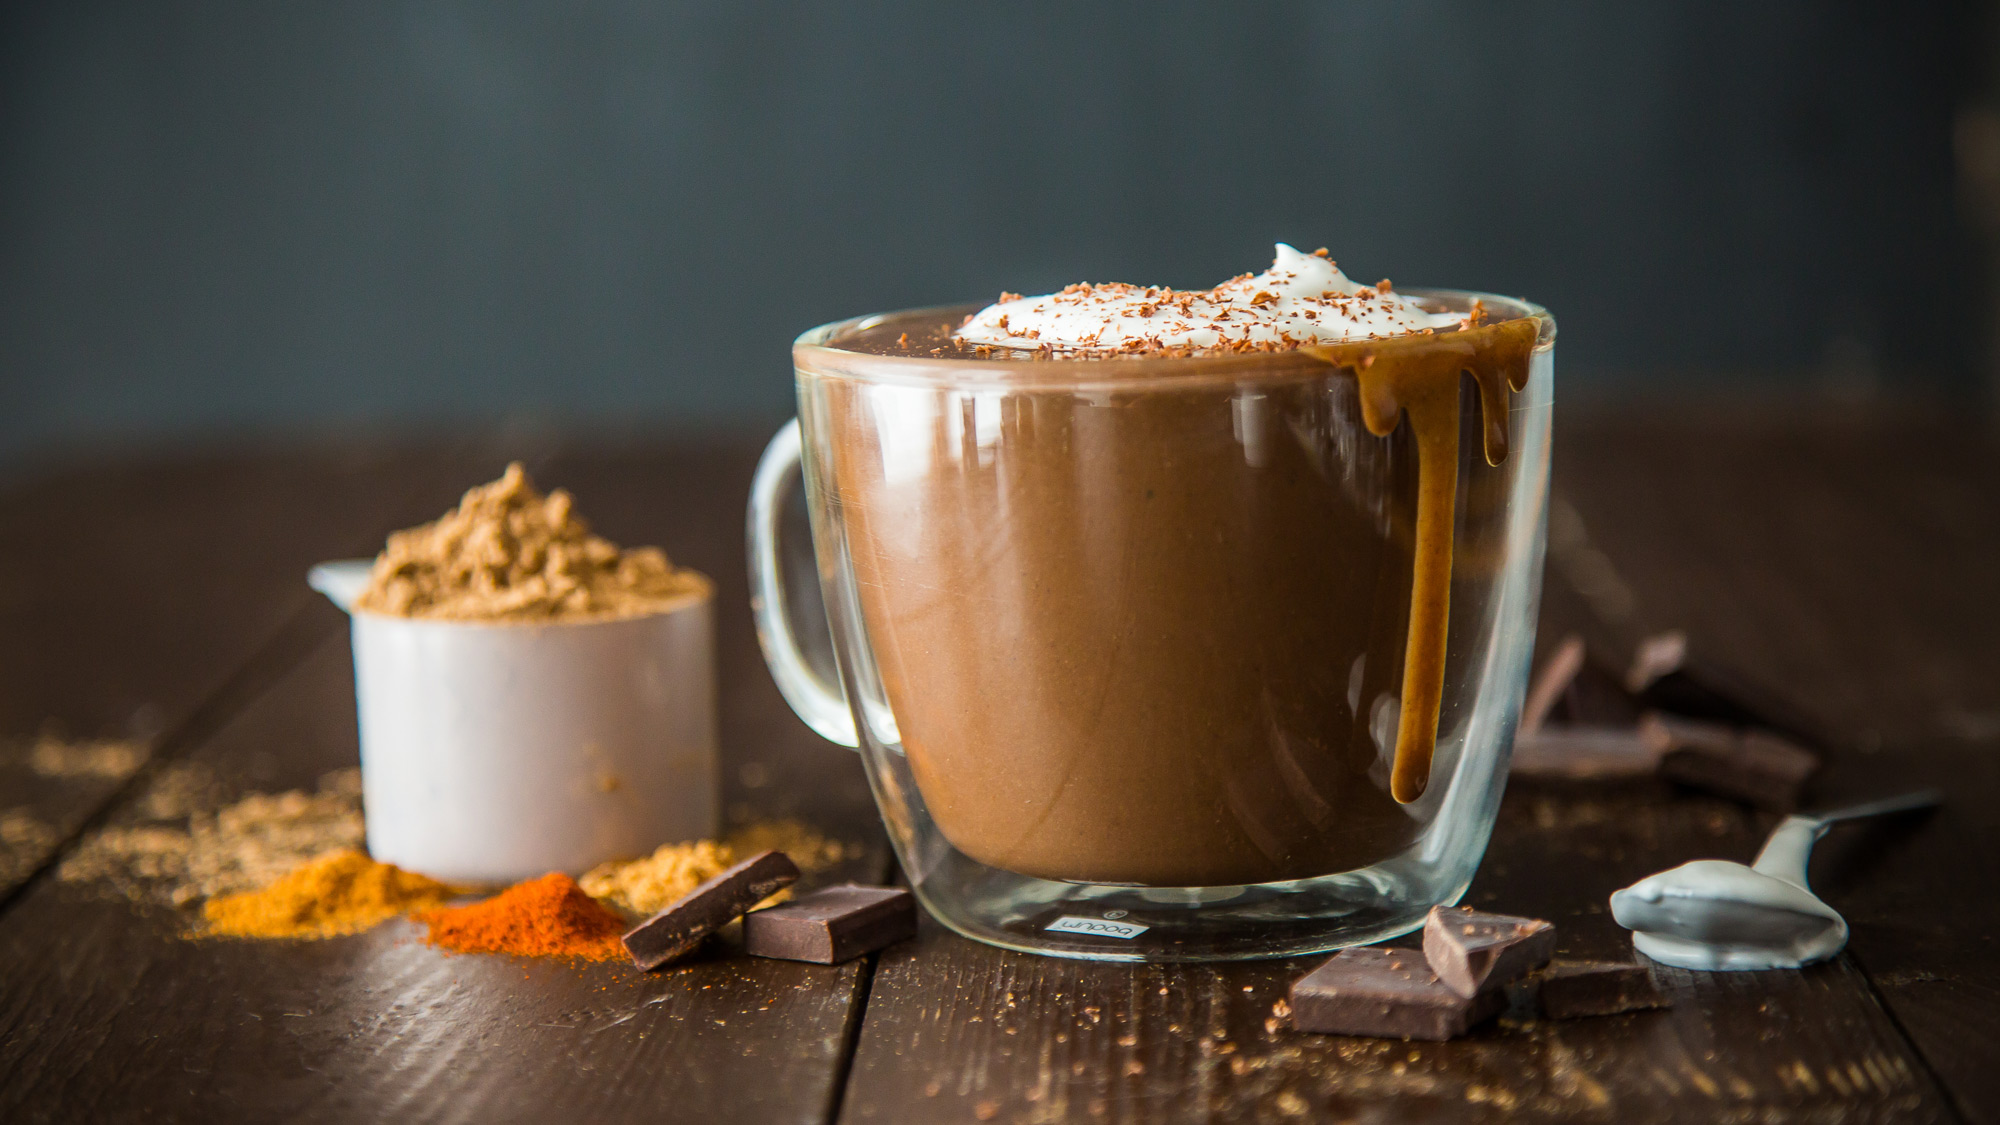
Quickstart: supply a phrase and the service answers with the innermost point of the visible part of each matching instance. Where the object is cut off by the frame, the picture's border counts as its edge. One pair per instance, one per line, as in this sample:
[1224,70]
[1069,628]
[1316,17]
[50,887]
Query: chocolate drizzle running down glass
[1420,375]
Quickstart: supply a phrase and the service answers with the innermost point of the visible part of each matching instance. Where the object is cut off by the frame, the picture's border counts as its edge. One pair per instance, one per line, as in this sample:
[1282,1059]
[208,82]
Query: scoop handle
[341,580]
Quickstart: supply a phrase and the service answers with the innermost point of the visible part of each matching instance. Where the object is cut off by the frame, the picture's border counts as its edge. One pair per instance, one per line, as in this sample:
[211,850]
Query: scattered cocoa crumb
[25,841]
[107,758]
[240,847]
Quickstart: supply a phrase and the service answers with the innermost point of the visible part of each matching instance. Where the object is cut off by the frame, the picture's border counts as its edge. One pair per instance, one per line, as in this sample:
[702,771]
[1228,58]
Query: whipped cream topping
[1301,299]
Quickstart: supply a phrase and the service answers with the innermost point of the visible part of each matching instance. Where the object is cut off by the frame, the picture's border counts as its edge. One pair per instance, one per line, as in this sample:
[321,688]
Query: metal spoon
[1716,915]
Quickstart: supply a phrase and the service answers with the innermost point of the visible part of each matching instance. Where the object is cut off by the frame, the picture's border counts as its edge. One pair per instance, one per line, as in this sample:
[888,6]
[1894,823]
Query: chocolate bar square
[1571,989]
[1389,993]
[1584,753]
[831,925]
[1667,676]
[1550,683]
[1754,766]
[675,931]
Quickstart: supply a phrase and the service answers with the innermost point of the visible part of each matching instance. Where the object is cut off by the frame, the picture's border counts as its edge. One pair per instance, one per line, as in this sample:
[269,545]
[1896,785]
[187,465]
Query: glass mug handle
[823,706]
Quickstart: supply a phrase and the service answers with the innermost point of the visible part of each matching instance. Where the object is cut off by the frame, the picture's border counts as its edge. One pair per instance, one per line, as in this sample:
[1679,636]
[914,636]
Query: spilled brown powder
[25,842]
[509,553]
[84,768]
[185,853]
[106,758]
[812,850]
[649,884]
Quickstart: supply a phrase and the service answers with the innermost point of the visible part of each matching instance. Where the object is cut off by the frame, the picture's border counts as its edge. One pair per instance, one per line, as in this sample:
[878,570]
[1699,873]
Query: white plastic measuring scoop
[496,751]
[1717,915]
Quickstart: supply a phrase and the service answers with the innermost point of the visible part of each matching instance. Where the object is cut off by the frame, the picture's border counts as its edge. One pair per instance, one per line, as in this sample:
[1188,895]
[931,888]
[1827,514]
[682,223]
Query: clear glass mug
[1126,644]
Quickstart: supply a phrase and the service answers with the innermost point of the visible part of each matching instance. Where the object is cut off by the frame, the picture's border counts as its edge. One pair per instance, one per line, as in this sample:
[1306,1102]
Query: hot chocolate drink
[1171,599]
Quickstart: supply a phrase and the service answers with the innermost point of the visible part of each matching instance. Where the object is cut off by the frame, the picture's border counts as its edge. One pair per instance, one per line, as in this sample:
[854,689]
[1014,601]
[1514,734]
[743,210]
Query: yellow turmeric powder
[341,892]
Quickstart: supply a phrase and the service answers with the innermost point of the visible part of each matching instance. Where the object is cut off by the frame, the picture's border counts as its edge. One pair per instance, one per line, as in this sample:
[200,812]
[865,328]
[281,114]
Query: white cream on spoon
[1721,916]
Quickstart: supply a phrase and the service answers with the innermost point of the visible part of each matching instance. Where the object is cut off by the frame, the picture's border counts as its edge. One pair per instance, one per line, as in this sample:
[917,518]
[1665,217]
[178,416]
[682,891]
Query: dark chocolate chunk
[1597,697]
[1667,676]
[1551,683]
[1472,952]
[679,928]
[831,925]
[1584,753]
[1571,989]
[1389,993]
[1668,733]
[1754,766]
[1657,657]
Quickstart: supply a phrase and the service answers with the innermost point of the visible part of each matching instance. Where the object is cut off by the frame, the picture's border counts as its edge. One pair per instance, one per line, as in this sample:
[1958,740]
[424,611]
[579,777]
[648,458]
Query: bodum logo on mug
[1096,927]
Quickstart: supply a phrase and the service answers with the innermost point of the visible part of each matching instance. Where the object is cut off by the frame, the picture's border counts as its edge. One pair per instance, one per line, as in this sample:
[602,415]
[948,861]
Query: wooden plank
[1850,566]
[109,1012]
[132,593]
[957,1030]
[1845,561]
[132,589]
[106,1011]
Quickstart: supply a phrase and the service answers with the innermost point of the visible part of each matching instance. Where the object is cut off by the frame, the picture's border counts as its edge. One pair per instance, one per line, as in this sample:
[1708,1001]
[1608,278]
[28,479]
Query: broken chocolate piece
[680,927]
[1753,766]
[1584,753]
[831,925]
[1551,683]
[1571,989]
[1668,733]
[1389,993]
[1667,676]
[1597,697]
[1473,952]
[1657,657]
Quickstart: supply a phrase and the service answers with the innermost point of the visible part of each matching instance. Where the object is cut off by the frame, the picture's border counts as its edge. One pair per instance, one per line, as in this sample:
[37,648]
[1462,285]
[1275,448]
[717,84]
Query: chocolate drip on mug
[1419,375]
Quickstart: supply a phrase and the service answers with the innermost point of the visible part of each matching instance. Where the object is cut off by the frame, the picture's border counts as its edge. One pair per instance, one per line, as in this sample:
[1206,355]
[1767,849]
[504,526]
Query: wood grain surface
[1848,562]
[1035,1039]
[146,600]
[112,1012]
[1743,534]
[109,1011]
[1842,563]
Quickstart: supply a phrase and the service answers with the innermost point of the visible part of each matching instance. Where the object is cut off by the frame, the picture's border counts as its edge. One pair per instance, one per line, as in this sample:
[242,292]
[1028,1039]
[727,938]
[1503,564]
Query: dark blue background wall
[256,216]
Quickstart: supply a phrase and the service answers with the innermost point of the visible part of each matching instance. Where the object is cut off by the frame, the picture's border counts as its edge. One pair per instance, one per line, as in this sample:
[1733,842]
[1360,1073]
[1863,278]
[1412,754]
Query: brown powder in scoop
[509,553]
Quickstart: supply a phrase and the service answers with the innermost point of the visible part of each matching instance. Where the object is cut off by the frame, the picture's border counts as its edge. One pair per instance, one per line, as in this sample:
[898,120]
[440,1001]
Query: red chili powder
[545,917]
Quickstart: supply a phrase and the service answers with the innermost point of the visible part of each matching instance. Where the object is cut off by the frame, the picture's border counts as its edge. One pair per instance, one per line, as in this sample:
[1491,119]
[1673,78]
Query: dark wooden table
[1848,564]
